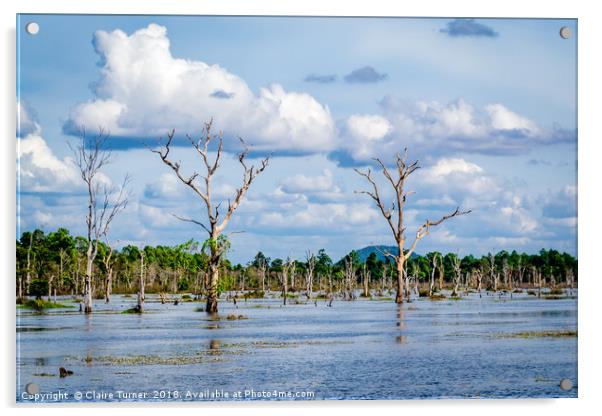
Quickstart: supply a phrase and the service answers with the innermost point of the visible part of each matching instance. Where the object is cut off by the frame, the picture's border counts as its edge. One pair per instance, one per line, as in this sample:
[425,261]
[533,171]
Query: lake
[478,347]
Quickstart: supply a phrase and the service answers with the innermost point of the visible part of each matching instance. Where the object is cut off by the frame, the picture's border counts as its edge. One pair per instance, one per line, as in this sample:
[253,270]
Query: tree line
[104,203]
[50,264]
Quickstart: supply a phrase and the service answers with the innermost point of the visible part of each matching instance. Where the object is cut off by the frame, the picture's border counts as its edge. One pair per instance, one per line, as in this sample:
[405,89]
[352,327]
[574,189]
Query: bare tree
[396,222]
[203,190]
[311,264]
[432,282]
[349,278]
[104,203]
[108,262]
[455,261]
[28,277]
[141,284]
[366,280]
[493,276]
[478,273]
[284,278]
[262,266]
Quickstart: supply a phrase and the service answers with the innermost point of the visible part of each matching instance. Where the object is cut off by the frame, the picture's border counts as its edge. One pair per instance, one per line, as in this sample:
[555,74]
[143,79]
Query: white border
[590,34]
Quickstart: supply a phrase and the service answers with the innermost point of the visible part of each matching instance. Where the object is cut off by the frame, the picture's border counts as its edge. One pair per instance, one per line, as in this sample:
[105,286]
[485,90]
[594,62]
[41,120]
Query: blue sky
[487,105]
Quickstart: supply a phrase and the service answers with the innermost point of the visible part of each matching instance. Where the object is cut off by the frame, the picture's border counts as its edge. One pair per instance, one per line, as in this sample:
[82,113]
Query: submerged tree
[394,214]
[104,203]
[203,190]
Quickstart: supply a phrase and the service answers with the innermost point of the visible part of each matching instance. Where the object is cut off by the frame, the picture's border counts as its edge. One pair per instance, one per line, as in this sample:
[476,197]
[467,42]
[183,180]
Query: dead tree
[432,282]
[284,278]
[349,277]
[140,305]
[108,263]
[262,267]
[493,276]
[28,276]
[91,155]
[416,279]
[203,190]
[311,264]
[293,274]
[366,281]
[394,214]
[478,273]
[455,261]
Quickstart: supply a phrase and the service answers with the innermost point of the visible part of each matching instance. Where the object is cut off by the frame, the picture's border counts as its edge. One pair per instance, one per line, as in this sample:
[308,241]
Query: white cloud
[40,170]
[26,121]
[369,127]
[429,127]
[325,216]
[456,175]
[504,119]
[166,187]
[301,183]
[144,91]
[154,217]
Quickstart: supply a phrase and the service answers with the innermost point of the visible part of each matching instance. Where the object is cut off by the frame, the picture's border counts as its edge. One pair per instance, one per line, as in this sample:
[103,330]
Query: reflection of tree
[401,339]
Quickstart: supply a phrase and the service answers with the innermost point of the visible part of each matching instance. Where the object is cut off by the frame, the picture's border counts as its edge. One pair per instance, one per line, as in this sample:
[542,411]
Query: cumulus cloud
[165,187]
[143,91]
[429,127]
[365,75]
[38,168]
[320,218]
[26,121]
[301,183]
[321,79]
[468,28]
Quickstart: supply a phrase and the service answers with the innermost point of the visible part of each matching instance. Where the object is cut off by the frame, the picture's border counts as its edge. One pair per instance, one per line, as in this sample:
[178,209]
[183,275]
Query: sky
[487,106]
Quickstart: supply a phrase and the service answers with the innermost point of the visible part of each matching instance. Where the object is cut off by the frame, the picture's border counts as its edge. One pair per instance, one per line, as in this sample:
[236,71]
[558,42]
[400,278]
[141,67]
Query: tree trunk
[400,276]
[28,278]
[140,306]
[109,284]
[213,281]
[214,260]
[88,279]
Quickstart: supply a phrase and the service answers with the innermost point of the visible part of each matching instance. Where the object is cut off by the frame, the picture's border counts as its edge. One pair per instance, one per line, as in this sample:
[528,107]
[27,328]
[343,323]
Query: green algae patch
[40,304]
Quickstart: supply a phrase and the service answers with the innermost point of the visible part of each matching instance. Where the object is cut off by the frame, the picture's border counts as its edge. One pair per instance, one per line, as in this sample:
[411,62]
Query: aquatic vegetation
[233,317]
[542,334]
[155,360]
[134,310]
[41,304]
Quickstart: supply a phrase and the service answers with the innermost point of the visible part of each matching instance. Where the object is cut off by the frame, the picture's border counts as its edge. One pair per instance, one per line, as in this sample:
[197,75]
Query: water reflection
[400,339]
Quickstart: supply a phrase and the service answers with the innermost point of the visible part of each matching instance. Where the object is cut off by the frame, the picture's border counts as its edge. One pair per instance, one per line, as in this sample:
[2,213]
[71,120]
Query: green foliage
[60,258]
[216,246]
[40,305]
[38,288]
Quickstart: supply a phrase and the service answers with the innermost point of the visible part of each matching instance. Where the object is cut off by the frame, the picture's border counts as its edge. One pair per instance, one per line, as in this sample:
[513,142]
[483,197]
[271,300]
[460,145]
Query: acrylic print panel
[285,208]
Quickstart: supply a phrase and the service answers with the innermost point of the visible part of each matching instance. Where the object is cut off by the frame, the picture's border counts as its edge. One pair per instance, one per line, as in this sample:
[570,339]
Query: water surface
[365,349]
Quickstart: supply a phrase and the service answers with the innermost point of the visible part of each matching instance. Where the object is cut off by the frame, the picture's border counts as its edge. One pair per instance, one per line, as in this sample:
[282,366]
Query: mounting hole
[565,32]
[566,384]
[32,388]
[32,28]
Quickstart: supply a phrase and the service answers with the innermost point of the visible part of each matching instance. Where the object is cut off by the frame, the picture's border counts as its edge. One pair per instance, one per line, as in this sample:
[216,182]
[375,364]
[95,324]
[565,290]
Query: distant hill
[363,253]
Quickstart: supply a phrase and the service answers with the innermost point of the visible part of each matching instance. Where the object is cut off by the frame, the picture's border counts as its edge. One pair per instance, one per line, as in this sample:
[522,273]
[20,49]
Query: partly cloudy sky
[487,106]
